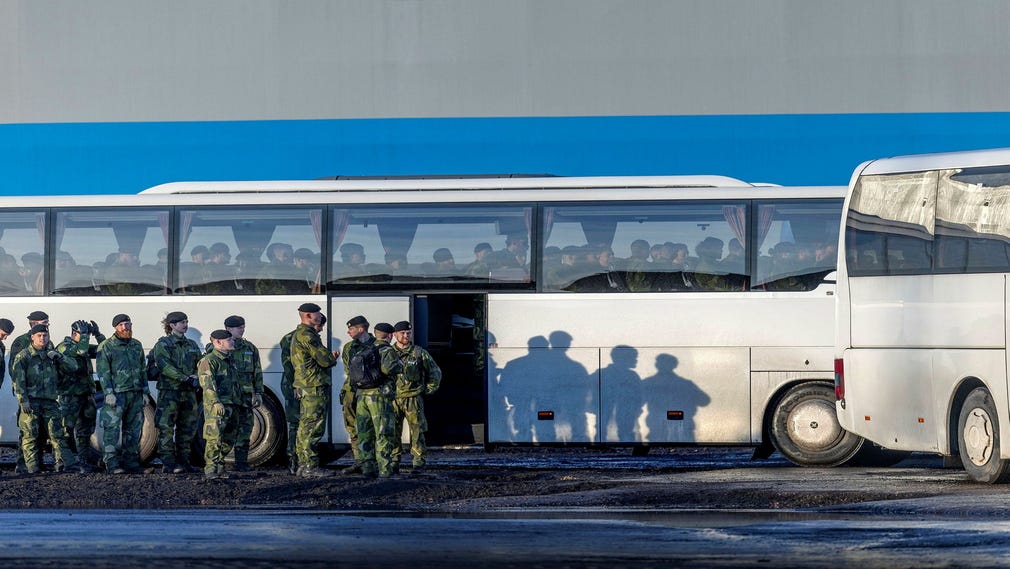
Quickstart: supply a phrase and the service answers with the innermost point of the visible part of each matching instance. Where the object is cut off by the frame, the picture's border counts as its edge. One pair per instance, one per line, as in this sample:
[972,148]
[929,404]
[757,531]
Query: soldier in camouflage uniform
[420,376]
[374,413]
[291,411]
[77,398]
[178,412]
[246,359]
[122,371]
[38,373]
[221,395]
[21,342]
[311,362]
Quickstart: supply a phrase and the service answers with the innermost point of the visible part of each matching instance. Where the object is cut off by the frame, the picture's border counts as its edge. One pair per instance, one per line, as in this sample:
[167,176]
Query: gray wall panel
[119,60]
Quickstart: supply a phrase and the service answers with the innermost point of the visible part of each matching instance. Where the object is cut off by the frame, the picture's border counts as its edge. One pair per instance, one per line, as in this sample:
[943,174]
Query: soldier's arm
[167,365]
[104,369]
[67,364]
[390,362]
[433,373]
[318,351]
[18,377]
[288,375]
[205,371]
[257,371]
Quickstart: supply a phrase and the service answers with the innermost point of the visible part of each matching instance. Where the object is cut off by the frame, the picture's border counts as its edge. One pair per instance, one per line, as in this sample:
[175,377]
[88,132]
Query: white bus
[922,307]
[625,311]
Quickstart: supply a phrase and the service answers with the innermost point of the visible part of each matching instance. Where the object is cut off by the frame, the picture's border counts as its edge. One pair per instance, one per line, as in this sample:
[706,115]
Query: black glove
[81,327]
[194,381]
[53,354]
[94,330]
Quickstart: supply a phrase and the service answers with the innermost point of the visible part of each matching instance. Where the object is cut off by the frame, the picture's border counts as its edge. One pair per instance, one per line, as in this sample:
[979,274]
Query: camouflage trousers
[412,409]
[122,425]
[350,407]
[178,417]
[292,412]
[79,417]
[375,432]
[220,432]
[245,429]
[313,407]
[44,412]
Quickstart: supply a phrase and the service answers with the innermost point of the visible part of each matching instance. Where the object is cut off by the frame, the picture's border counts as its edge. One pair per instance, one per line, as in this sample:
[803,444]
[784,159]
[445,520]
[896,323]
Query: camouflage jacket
[219,379]
[288,375]
[38,377]
[420,372]
[246,358]
[310,359]
[20,343]
[121,365]
[82,381]
[176,357]
[390,364]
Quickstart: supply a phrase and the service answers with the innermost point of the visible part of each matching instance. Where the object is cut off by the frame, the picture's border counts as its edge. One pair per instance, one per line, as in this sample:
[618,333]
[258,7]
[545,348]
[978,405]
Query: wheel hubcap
[979,437]
[812,425]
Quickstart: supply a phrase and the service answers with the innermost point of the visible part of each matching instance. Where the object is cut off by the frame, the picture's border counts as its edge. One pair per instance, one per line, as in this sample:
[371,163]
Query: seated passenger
[305,267]
[279,275]
[638,273]
[219,275]
[124,277]
[481,265]
[708,273]
[352,261]
[513,256]
[444,263]
[606,278]
[70,275]
[11,281]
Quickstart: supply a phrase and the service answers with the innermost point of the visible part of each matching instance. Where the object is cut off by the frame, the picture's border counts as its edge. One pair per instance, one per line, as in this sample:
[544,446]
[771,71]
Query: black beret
[234,321]
[6,325]
[220,335]
[119,318]
[309,307]
[384,327]
[176,317]
[38,315]
[304,253]
[199,249]
[38,328]
[357,321]
[401,326]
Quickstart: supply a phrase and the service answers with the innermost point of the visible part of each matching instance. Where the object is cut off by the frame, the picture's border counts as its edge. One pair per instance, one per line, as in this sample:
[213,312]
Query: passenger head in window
[397,262]
[605,257]
[303,259]
[127,258]
[480,266]
[656,253]
[640,250]
[733,263]
[220,254]
[783,257]
[444,263]
[514,253]
[162,258]
[804,255]
[64,260]
[280,253]
[825,254]
[199,254]
[352,254]
[709,251]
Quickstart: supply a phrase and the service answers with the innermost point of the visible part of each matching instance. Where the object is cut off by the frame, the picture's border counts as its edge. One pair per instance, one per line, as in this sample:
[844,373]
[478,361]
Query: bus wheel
[805,428]
[978,439]
[148,433]
[269,430]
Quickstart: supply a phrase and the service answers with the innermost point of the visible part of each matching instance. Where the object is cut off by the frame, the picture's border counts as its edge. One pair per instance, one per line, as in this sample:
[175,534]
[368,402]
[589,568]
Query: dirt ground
[456,481]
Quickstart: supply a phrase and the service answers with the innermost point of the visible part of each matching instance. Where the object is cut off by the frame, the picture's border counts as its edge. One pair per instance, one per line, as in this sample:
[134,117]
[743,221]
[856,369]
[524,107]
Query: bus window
[644,246]
[444,245]
[972,232]
[796,244]
[22,234]
[250,251]
[110,252]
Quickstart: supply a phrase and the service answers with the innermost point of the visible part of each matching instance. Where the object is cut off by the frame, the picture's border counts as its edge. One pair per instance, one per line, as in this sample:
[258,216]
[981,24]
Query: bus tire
[269,431]
[805,429]
[978,439]
[148,432]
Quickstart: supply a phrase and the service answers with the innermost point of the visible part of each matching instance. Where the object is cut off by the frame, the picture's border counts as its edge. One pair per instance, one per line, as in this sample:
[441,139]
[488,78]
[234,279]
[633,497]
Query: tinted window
[22,234]
[249,251]
[110,252]
[447,245]
[640,247]
[797,243]
[973,221]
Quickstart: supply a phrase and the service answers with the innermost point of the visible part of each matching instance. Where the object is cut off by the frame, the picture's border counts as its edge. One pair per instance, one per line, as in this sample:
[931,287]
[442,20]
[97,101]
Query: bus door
[375,309]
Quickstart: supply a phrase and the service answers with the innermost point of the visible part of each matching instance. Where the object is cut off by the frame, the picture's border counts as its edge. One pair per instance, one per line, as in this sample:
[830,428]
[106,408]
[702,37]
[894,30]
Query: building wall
[118,95]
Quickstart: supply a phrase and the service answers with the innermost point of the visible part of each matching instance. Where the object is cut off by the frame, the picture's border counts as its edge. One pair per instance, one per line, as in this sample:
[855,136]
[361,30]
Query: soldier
[21,342]
[37,375]
[221,395]
[311,362]
[246,359]
[420,375]
[178,403]
[77,396]
[374,413]
[123,374]
[291,411]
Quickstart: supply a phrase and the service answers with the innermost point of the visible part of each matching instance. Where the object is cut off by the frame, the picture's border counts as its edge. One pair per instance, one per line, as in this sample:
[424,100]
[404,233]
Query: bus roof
[938,161]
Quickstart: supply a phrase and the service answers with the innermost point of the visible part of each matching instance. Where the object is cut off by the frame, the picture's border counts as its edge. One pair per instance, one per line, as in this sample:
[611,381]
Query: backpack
[153,369]
[365,369]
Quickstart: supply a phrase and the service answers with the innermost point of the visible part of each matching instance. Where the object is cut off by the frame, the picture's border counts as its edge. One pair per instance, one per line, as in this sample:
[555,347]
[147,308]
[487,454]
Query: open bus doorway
[451,327]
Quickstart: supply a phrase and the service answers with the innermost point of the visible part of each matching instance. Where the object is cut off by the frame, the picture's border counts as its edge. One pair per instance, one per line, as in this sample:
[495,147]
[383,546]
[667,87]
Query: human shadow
[621,404]
[671,404]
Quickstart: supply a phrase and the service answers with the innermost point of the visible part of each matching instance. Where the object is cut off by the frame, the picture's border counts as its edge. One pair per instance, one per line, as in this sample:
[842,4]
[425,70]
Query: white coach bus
[625,311]
[922,307]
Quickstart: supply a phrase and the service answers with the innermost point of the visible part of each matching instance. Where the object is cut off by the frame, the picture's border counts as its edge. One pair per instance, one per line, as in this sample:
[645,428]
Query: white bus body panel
[691,354]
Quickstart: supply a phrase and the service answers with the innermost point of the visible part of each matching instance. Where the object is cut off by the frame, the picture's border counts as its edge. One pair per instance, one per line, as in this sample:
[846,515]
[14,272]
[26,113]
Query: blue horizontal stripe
[88,158]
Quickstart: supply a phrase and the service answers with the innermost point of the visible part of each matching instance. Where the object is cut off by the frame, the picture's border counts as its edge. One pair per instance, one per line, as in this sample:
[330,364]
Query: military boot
[352,469]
